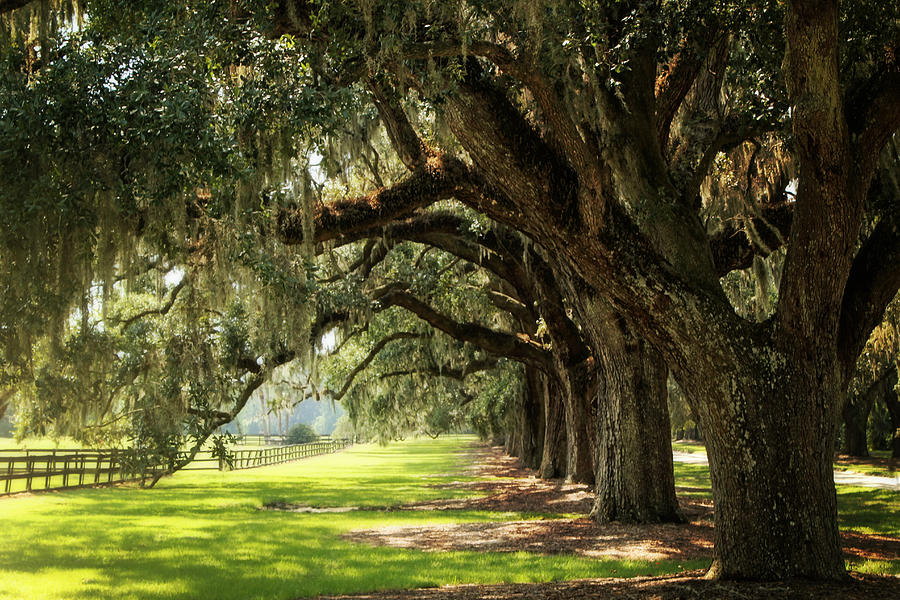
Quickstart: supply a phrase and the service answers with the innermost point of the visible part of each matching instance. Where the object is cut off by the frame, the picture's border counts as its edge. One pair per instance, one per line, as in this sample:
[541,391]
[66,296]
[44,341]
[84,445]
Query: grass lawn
[883,465]
[688,447]
[202,535]
[841,463]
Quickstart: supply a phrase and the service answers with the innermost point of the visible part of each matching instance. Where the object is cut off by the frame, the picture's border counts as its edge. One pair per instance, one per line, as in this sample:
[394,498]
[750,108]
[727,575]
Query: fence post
[29,470]
[50,467]
[10,469]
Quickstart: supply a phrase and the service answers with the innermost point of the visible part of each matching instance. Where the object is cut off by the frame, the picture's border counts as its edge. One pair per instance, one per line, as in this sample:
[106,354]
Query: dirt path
[514,489]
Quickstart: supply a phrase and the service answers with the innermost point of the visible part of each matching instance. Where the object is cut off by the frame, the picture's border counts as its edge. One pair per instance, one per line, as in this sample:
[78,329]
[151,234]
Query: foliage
[301,433]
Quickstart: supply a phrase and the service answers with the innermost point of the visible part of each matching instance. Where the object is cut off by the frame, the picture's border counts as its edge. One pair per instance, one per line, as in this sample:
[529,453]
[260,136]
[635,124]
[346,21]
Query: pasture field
[204,535]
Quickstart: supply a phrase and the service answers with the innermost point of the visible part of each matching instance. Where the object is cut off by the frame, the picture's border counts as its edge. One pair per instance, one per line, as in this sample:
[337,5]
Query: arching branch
[406,142]
[732,249]
[517,347]
[440,178]
[162,310]
[11,5]
[873,282]
[873,111]
[378,347]
[511,305]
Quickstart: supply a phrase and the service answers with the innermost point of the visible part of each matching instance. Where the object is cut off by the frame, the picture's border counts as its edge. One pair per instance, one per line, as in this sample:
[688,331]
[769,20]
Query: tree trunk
[893,406]
[855,421]
[553,461]
[578,393]
[857,409]
[769,424]
[532,419]
[634,473]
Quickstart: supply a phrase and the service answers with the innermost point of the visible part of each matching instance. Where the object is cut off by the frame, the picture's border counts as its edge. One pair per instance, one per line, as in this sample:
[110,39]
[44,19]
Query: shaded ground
[655,588]
[515,489]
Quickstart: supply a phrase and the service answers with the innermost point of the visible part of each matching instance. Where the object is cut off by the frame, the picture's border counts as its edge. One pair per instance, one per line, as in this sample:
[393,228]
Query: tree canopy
[617,163]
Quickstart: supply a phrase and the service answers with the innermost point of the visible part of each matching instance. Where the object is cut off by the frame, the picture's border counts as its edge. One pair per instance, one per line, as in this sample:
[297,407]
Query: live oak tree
[111,186]
[578,130]
[592,130]
[623,445]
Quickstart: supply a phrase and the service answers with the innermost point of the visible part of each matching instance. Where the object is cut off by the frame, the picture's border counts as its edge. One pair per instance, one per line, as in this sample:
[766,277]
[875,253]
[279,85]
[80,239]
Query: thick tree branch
[517,347]
[875,116]
[406,142]
[5,396]
[162,310]
[457,373]
[873,282]
[817,265]
[511,305]
[11,5]
[213,419]
[440,178]
[671,88]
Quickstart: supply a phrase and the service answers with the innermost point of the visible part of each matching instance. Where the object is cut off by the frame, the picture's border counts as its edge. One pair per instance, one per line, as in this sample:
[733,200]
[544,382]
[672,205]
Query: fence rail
[248,459]
[59,468]
[260,440]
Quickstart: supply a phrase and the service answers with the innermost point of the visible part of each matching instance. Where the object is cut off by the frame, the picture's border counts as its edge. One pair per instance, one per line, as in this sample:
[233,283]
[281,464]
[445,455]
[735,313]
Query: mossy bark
[553,460]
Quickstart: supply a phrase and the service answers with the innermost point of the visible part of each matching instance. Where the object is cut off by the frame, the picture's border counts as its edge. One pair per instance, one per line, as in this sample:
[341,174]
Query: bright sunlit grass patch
[204,535]
[40,443]
[688,447]
[876,567]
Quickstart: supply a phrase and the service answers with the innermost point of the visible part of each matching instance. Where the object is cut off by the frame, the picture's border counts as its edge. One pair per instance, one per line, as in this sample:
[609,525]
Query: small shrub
[301,433]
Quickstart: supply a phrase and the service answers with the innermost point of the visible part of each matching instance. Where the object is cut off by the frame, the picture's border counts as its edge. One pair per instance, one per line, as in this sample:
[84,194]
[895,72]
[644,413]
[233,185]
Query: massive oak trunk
[635,478]
[856,417]
[769,424]
[578,392]
[633,450]
[553,461]
[893,406]
[530,420]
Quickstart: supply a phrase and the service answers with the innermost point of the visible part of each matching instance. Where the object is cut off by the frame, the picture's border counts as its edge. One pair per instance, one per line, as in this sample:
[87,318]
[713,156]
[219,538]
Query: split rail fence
[56,469]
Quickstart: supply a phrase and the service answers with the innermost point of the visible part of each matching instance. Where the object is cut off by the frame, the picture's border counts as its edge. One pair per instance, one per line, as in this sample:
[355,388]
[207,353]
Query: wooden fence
[58,468]
[260,440]
[249,459]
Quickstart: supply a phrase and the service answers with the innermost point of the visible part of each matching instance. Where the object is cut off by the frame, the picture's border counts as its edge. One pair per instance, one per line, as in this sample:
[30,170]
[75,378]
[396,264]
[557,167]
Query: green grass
[7,443]
[688,447]
[876,470]
[201,535]
[694,447]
